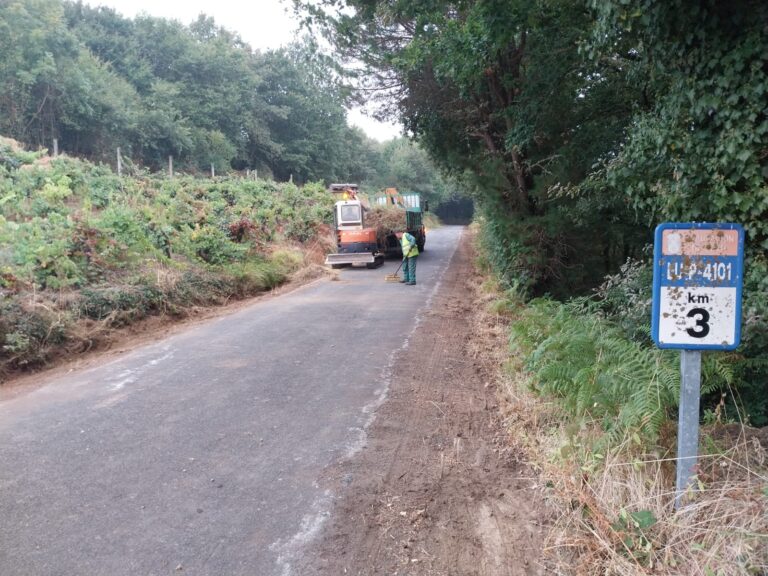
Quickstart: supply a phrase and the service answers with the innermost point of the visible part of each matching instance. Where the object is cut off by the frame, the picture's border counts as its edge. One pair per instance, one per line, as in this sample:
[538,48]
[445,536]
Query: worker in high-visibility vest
[410,252]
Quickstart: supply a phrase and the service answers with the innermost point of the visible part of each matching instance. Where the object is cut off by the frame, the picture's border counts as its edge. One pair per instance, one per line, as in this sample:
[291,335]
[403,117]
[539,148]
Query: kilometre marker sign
[697,280]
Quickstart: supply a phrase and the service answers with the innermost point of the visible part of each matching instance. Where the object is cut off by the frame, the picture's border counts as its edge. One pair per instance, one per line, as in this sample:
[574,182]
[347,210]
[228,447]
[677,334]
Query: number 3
[702,323]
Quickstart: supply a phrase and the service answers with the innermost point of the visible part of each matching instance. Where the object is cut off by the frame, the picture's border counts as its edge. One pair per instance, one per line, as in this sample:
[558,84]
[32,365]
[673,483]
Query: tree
[311,129]
[36,46]
[403,164]
[97,80]
[499,94]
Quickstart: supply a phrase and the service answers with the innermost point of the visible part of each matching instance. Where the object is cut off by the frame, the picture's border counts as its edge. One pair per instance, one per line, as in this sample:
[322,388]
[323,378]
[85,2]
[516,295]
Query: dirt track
[438,490]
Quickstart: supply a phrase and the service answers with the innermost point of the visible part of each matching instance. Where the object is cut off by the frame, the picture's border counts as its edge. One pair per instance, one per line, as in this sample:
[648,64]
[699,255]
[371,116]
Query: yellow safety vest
[408,244]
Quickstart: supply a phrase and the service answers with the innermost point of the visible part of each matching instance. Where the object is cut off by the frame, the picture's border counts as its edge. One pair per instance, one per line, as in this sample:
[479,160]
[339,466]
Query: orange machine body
[361,240]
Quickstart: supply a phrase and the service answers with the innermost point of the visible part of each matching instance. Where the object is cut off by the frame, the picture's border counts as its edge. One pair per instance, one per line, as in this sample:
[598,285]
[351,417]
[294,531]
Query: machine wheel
[339,266]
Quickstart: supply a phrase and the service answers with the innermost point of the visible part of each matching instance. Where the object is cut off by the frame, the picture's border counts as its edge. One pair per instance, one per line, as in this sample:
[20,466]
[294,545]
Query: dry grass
[14,145]
[597,500]
[386,220]
[53,326]
[723,530]
[322,244]
[312,271]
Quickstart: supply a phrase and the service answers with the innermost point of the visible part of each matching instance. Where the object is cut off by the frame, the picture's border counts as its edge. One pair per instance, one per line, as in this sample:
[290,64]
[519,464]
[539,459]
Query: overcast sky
[262,23]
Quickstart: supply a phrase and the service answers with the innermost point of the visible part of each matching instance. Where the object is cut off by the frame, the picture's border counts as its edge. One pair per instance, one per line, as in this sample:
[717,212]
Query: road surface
[201,454]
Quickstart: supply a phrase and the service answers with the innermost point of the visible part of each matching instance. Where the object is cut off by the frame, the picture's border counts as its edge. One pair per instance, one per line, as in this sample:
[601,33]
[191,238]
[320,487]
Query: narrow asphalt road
[201,454]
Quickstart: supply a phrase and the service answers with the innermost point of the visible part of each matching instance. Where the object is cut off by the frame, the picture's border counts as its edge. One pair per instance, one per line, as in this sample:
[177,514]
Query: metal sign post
[697,282]
[688,421]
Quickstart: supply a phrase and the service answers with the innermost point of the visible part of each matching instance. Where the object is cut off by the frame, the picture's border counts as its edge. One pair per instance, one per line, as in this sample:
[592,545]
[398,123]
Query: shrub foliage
[77,242]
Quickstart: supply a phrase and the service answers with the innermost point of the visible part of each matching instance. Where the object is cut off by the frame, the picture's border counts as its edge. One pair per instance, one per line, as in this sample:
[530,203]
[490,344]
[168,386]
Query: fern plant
[598,374]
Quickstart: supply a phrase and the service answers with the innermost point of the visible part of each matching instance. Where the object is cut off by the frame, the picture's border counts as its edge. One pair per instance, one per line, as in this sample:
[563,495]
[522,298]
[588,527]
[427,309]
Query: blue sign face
[697,282]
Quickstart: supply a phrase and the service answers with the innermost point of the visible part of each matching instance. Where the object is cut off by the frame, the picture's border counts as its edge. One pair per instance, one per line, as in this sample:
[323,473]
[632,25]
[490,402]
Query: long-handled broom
[395,277]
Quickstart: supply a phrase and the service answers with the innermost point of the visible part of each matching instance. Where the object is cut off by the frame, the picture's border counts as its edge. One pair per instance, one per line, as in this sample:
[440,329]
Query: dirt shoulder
[439,488]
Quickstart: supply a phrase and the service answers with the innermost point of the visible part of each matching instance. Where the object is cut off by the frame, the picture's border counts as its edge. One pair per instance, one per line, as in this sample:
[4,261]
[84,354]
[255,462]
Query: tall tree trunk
[522,187]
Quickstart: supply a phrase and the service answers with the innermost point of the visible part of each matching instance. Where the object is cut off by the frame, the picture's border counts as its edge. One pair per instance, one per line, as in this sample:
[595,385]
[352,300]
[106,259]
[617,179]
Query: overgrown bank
[594,410]
[83,251]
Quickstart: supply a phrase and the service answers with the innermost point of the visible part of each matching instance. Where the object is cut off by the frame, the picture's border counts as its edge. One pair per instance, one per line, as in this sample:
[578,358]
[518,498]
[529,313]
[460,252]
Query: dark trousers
[409,269]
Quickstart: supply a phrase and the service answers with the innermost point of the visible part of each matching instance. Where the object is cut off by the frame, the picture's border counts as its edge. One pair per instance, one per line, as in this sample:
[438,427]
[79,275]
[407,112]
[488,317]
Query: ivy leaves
[698,152]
